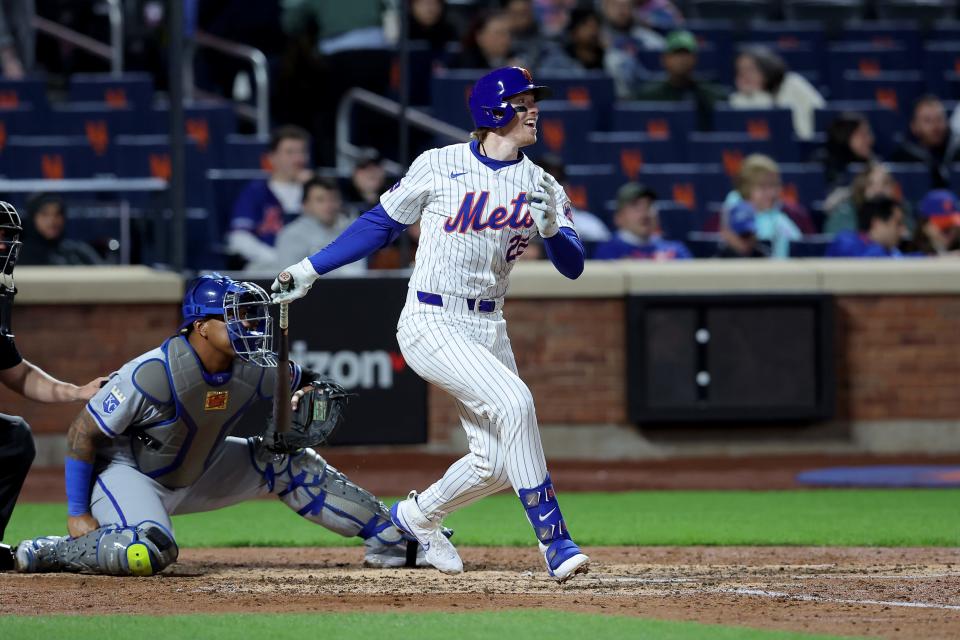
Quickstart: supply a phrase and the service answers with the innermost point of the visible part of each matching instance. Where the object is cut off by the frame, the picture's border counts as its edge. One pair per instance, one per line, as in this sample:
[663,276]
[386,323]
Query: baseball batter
[153,442]
[479,204]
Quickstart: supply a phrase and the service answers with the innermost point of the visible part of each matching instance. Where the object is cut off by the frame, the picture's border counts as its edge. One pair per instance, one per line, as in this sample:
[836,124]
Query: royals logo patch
[216,401]
[114,400]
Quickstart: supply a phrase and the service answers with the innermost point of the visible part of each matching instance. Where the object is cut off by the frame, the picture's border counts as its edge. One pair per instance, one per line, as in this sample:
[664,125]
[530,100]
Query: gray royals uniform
[171,453]
[474,224]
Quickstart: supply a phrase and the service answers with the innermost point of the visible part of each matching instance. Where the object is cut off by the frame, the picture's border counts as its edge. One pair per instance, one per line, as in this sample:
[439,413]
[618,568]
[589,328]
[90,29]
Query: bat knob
[285,280]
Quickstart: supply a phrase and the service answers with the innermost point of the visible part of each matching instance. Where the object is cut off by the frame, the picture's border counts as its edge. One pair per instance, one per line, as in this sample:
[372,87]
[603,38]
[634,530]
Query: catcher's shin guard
[141,550]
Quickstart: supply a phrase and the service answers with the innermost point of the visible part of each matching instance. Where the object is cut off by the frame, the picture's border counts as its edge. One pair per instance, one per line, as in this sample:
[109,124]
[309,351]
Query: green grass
[422,626]
[895,518]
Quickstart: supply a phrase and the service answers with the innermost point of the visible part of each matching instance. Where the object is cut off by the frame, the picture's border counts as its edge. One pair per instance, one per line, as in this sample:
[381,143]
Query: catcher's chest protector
[177,452]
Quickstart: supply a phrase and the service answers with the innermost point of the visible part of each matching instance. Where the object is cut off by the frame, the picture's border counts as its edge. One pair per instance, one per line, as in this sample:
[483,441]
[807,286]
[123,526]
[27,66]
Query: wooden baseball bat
[281,395]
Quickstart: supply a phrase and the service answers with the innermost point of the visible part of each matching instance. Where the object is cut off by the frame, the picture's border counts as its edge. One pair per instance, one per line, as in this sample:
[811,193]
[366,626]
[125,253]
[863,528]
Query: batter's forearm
[566,252]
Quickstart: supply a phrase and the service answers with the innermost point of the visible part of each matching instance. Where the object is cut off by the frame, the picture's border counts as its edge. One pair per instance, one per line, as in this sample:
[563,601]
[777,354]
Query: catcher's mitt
[317,416]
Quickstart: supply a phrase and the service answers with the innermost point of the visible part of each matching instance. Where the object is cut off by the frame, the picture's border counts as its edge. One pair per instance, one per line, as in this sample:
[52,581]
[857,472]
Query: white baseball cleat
[564,559]
[438,550]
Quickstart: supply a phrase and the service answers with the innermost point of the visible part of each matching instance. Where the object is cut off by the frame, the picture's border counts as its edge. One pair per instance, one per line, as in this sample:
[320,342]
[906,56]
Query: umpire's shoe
[564,559]
[438,550]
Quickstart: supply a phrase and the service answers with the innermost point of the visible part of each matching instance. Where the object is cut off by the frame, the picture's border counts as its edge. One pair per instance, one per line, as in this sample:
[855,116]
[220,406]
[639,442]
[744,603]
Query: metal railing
[112,52]
[348,153]
[260,112]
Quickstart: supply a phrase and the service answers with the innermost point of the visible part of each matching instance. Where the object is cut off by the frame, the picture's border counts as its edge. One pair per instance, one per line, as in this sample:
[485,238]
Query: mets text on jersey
[470,215]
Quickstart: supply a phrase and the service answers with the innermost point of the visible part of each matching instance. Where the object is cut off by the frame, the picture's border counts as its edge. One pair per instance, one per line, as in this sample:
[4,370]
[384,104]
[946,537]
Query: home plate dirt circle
[889,593]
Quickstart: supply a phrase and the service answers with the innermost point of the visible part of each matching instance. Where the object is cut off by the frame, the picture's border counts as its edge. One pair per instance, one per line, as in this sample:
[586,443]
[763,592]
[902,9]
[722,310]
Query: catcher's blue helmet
[488,100]
[244,307]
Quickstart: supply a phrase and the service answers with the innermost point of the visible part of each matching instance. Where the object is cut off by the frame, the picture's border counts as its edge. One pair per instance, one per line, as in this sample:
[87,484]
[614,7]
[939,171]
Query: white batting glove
[304,276]
[543,208]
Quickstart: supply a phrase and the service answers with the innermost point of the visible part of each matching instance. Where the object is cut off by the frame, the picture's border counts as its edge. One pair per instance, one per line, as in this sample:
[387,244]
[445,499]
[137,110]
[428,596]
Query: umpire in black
[29,380]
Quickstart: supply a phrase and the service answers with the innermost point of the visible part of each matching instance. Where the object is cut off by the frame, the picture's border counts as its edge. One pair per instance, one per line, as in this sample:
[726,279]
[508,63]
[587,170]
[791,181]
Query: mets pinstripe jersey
[474,218]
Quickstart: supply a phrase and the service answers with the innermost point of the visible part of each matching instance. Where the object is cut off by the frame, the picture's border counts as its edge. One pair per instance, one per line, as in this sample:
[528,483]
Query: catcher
[153,442]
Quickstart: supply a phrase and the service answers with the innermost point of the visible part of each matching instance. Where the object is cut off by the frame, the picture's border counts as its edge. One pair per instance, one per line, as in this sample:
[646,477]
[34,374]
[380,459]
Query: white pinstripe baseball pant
[467,353]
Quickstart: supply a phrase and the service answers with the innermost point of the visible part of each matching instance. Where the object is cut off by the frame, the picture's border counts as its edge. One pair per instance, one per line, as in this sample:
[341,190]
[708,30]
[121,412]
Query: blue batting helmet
[488,100]
[244,307]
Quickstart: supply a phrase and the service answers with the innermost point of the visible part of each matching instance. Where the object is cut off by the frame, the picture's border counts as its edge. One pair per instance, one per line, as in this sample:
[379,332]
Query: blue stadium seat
[127,90]
[943,31]
[894,90]
[760,124]
[939,59]
[207,123]
[149,157]
[90,119]
[629,151]
[914,180]
[711,65]
[22,120]
[55,157]
[676,221]
[592,187]
[789,33]
[887,33]
[563,128]
[729,149]
[245,152]
[31,91]
[811,246]
[803,183]
[687,185]
[668,121]
[866,58]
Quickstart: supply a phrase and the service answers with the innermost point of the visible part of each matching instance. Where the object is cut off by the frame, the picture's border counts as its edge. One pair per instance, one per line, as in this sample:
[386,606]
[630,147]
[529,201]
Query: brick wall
[897,357]
[77,343]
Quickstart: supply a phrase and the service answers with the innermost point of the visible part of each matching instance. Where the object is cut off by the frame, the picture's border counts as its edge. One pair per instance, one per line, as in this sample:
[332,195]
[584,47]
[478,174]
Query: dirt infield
[889,593]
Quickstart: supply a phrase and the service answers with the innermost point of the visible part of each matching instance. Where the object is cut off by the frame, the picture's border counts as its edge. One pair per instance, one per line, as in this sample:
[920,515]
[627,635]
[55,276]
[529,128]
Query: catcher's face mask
[10,230]
[246,312]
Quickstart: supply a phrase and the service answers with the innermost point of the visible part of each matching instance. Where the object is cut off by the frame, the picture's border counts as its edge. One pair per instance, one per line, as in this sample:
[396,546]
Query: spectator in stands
[339,26]
[429,23]
[590,228]
[679,60]
[17,40]
[880,231]
[930,141]
[43,236]
[759,184]
[322,220]
[367,182]
[849,141]
[873,182]
[525,32]
[622,38]
[582,49]
[938,228]
[488,43]
[742,220]
[763,81]
[264,206]
[638,233]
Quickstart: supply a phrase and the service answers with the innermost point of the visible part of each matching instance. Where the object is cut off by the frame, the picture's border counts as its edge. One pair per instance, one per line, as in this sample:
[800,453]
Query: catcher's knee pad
[321,493]
[141,550]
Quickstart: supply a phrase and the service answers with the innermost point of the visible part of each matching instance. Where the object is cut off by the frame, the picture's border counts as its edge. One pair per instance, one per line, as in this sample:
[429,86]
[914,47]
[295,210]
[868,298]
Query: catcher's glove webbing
[317,416]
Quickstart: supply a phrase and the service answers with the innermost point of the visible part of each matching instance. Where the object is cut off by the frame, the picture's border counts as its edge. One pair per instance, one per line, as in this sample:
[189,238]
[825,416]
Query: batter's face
[522,130]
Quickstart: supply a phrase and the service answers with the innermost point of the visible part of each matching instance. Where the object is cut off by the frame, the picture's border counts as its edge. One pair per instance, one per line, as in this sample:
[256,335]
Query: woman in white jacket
[764,82]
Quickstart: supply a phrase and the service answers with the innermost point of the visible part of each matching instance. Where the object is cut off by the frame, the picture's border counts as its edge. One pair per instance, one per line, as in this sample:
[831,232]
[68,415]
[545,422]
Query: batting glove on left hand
[304,276]
[543,209]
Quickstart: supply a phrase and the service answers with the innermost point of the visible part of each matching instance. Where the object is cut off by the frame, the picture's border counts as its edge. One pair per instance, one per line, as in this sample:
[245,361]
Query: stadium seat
[21,120]
[652,118]
[924,11]
[55,157]
[914,180]
[894,90]
[789,34]
[940,58]
[563,128]
[31,91]
[128,90]
[759,124]
[149,157]
[676,221]
[703,244]
[711,63]
[735,10]
[207,123]
[831,12]
[729,149]
[245,152]
[629,151]
[803,183]
[866,58]
[886,33]
[811,246]
[593,187]
[687,185]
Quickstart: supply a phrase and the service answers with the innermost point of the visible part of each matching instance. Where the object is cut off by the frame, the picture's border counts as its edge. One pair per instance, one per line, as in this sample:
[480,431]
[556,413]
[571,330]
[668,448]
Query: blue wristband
[78,475]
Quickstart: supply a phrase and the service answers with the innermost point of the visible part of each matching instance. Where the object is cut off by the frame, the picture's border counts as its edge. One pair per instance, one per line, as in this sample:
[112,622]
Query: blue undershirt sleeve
[371,231]
[566,252]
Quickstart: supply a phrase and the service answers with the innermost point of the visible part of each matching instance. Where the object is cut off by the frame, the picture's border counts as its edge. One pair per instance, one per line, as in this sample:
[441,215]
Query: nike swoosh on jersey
[457,175]
[547,514]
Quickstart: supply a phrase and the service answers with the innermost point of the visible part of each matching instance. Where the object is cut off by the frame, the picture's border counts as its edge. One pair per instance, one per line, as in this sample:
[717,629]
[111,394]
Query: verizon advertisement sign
[347,329]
